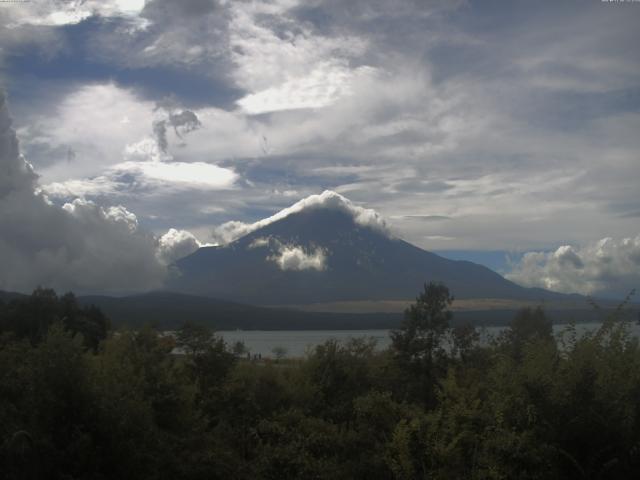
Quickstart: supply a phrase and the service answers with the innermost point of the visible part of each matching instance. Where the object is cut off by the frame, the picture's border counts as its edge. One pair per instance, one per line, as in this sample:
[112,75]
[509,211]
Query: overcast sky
[488,130]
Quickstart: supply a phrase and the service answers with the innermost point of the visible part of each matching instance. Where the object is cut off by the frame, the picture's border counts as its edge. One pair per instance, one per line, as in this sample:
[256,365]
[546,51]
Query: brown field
[395,306]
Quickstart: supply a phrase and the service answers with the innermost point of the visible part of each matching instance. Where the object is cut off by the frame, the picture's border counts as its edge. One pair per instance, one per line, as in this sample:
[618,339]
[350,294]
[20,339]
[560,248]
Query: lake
[297,342]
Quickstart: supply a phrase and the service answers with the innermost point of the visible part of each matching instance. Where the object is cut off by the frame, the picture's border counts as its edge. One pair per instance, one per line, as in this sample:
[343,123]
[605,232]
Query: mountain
[325,249]
[8,296]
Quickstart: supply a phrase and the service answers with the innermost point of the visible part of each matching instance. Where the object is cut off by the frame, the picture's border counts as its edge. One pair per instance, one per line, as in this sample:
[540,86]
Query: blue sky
[476,129]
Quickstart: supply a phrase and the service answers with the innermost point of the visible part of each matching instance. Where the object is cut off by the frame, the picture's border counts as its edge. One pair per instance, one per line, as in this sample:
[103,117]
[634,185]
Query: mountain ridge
[330,256]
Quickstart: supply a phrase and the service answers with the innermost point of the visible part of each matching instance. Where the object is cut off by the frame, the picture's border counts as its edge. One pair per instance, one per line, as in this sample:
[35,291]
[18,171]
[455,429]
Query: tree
[418,344]
[194,339]
[464,338]
[239,348]
[419,338]
[340,373]
[529,325]
[279,352]
[89,321]
[31,317]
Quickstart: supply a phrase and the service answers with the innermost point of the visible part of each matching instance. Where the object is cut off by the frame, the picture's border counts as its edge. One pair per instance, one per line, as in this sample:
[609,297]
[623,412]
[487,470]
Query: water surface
[298,342]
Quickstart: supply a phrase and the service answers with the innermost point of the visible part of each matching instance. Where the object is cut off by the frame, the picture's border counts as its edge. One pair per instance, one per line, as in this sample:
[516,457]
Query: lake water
[298,342]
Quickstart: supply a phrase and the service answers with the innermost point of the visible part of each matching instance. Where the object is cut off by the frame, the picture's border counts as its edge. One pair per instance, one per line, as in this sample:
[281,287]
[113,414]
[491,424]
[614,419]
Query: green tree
[207,361]
[239,348]
[529,325]
[31,317]
[194,338]
[279,352]
[418,345]
[340,373]
[464,340]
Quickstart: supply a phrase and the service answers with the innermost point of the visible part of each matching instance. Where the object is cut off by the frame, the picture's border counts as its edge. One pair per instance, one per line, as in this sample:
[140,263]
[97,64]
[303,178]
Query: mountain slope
[325,253]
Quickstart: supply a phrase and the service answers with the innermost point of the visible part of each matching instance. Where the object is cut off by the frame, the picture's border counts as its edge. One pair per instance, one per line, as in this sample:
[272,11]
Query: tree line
[81,401]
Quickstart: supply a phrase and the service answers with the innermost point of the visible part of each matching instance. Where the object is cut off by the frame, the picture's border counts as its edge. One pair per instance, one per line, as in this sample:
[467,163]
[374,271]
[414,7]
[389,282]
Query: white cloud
[192,175]
[103,124]
[154,177]
[93,187]
[81,246]
[116,214]
[232,230]
[260,242]
[324,85]
[608,266]
[176,244]
[147,149]
[97,122]
[70,12]
[284,65]
[292,257]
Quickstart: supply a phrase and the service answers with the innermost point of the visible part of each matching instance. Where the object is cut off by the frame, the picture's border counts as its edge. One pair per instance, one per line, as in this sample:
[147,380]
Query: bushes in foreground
[436,404]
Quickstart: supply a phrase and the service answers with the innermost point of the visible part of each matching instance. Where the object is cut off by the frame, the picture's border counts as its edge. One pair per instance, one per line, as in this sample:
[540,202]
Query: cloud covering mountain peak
[366,217]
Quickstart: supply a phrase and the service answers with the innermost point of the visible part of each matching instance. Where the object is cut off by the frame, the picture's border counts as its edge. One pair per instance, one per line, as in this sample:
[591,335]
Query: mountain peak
[327,200]
[326,249]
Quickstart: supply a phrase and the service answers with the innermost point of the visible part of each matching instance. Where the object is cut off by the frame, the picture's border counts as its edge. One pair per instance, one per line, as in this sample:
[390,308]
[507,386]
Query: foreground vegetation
[78,401]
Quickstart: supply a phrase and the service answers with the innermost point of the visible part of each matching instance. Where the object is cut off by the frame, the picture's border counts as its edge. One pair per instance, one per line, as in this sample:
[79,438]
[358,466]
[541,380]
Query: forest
[80,400]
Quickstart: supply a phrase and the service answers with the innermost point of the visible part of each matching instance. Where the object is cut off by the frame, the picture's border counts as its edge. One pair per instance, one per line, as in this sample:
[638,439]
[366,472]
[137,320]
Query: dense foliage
[80,402]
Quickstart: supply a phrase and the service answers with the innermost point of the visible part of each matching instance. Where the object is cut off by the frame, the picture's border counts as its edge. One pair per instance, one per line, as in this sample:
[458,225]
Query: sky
[502,132]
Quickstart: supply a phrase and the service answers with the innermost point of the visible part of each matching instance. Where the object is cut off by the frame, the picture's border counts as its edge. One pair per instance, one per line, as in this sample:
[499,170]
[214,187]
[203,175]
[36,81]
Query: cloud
[70,12]
[103,125]
[269,47]
[82,246]
[412,108]
[97,121]
[190,35]
[284,65]
[182,122]
[291,257]
[426,218]
[176,244]
[261,242]
[192,175]
[366,217]
[608,266]
[149,177]
[323,86]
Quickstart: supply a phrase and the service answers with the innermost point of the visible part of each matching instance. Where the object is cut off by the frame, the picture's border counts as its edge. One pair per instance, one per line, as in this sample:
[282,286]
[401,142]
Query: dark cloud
[82,246]
[160,132]
[420,185]
[163,10]
[155,62]
[182,122]
[635,214]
